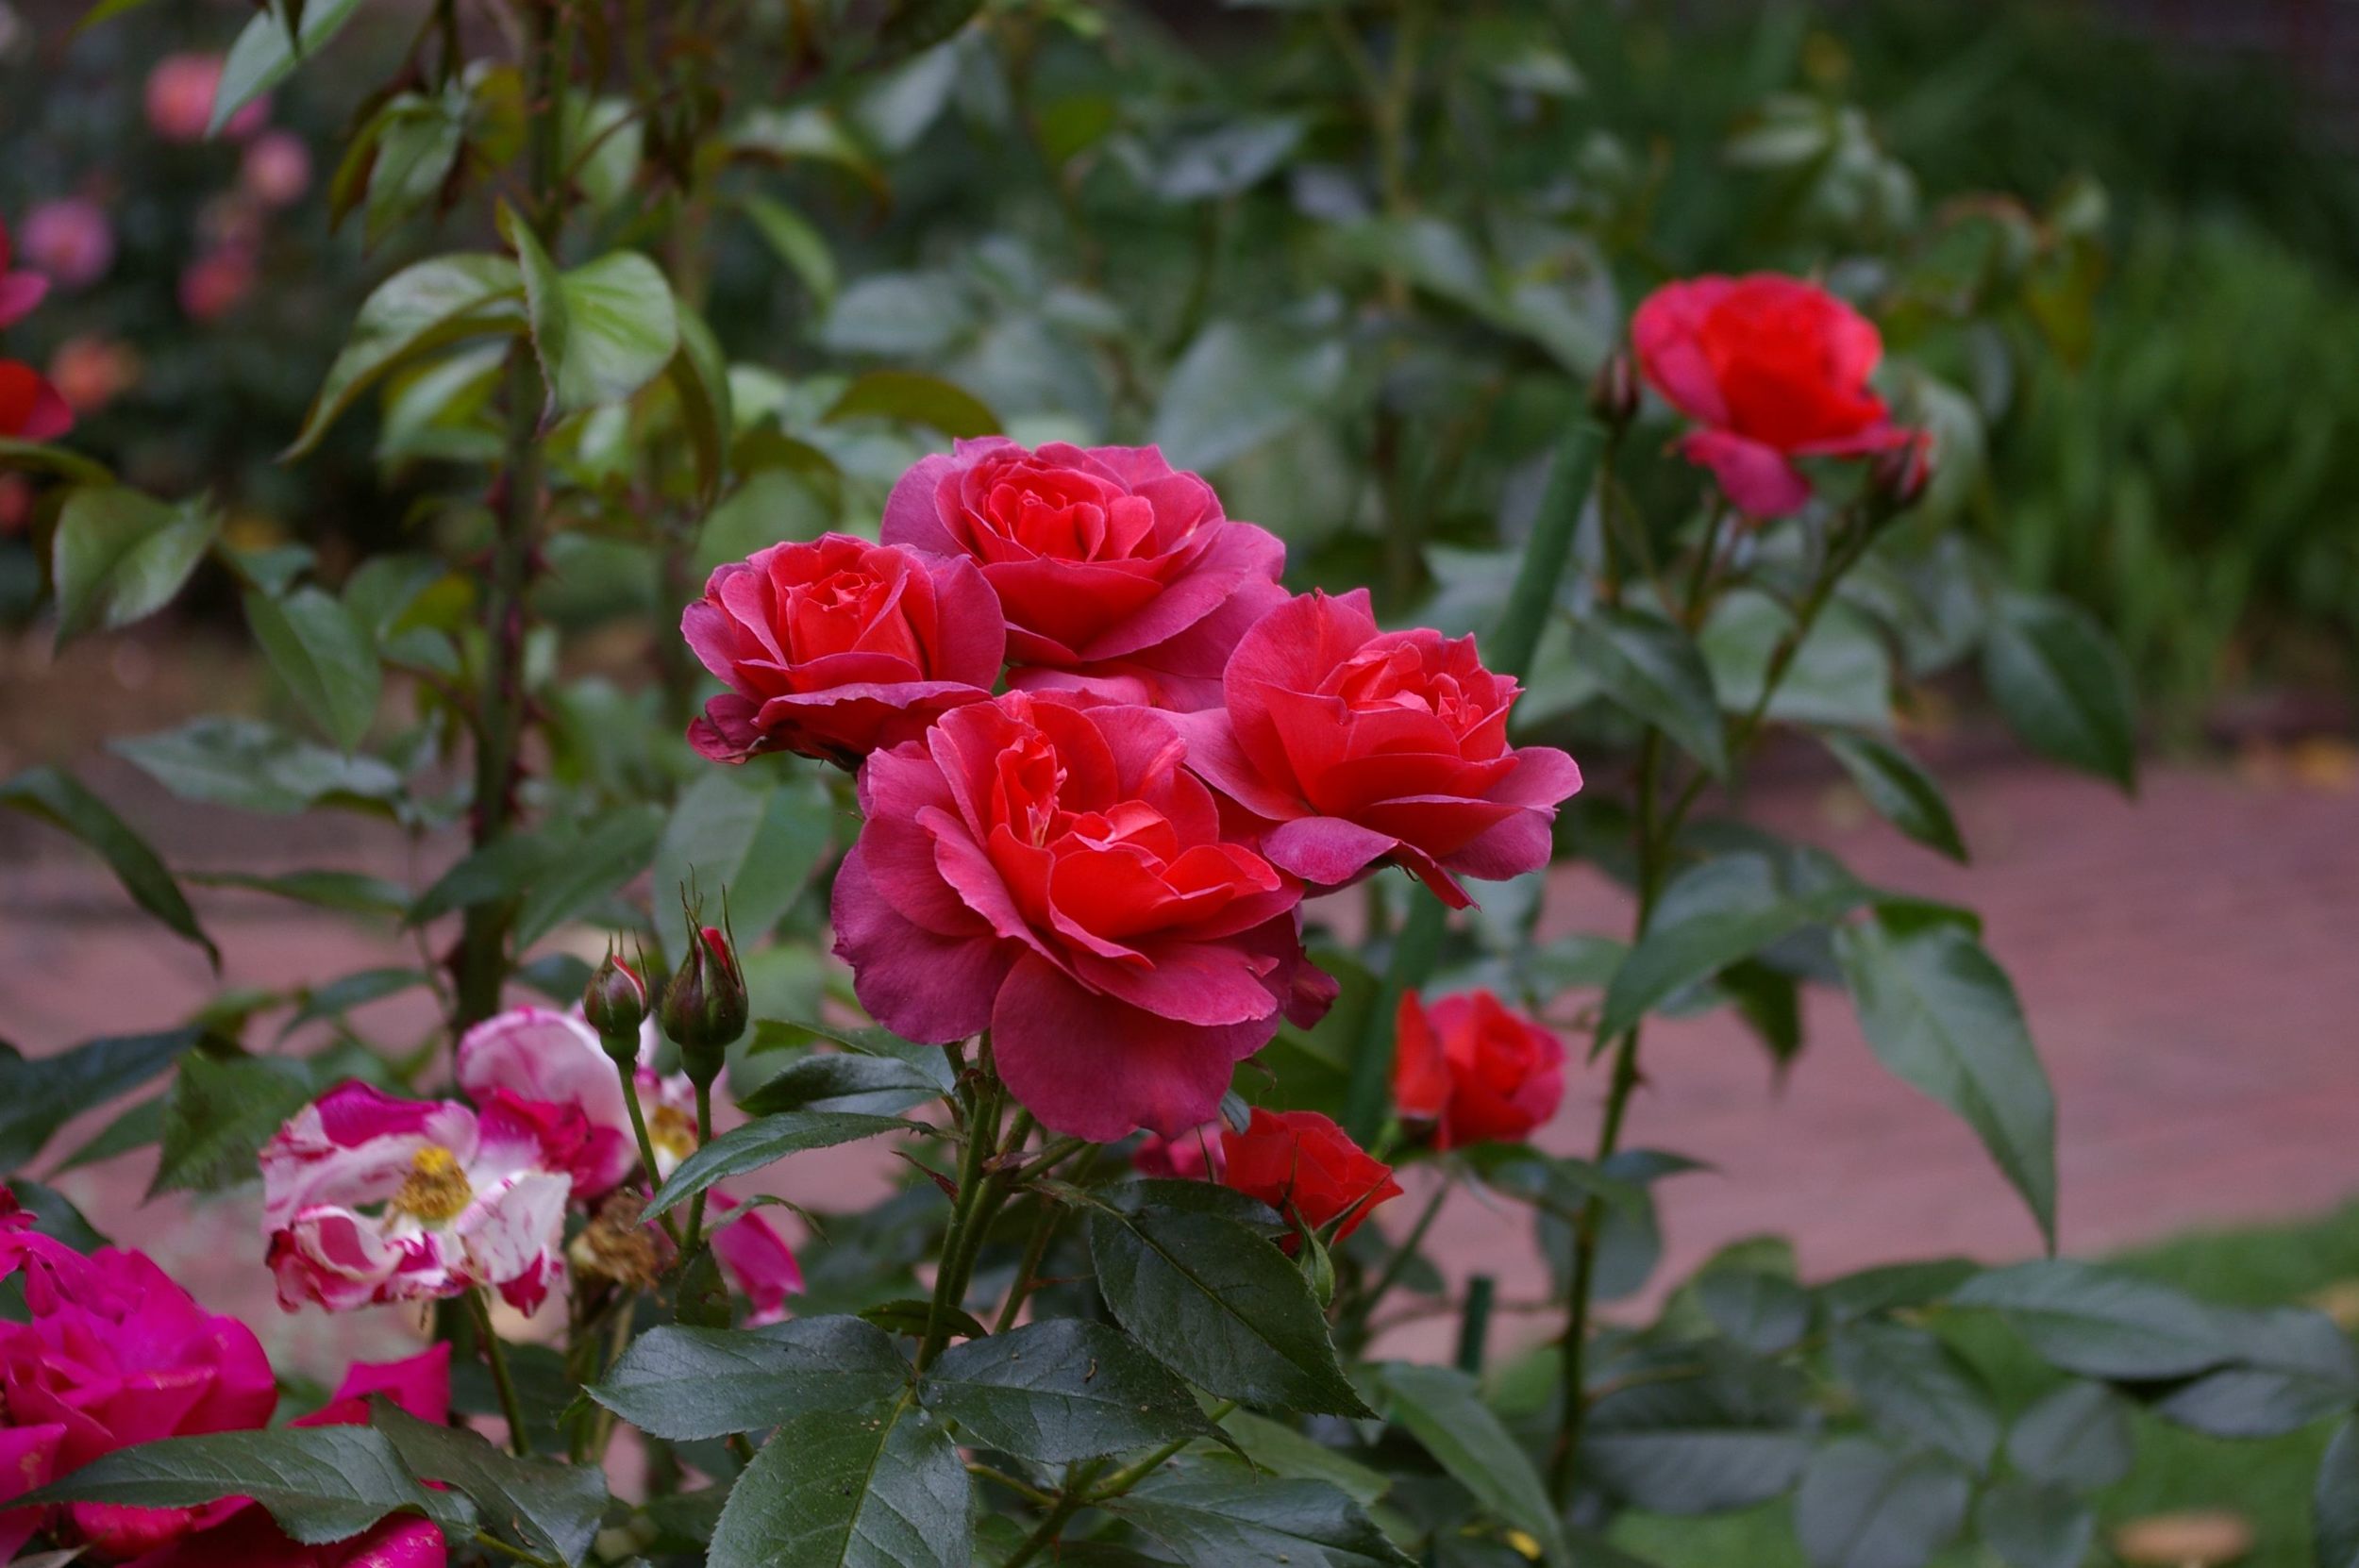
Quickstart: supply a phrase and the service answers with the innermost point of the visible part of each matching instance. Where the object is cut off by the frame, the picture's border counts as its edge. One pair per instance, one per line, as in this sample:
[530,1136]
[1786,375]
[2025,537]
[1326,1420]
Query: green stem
[1398,1263]
[1414,952]
[704,1136]
[1474,1327]
[1071,1498]
[496,1355]
[629,1076]
[1035,1248]
[491,1543]
[1124,1479]
[1525,616]
[982,1136]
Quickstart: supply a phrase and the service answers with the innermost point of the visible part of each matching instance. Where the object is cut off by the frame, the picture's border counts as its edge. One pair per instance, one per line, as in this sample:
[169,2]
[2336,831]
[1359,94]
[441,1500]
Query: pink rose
[1774,369]
[549,1059]
[835,647]
[1042,866]
[19,292]
[1193,1155]
[214,285]
[70,240]
[180,93]
[1117,574]
[1359,746]
[757,1258]
[368,1200]
[276,169]
[114,1353]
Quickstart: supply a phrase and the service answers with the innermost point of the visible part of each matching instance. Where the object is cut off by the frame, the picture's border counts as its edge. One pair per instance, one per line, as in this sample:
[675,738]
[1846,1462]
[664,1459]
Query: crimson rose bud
[1901,475]
[1473,1071]
[615,1003]
[1307,1168]
[705,1008]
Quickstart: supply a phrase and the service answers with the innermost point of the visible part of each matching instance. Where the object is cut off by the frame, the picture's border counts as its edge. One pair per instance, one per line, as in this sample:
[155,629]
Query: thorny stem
[982,1136]
[496,1355]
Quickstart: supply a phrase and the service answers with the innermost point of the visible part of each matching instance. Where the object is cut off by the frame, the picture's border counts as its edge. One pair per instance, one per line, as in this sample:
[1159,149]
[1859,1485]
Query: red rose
[1474,1070]
[1193,1155]
[30,409]
[835,647]
[1041,865]
[1117,574]
[1359,746]
[1306,1167]
[1775,369]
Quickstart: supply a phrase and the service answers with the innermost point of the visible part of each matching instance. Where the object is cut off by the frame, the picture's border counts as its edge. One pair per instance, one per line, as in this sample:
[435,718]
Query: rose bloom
[550,1068]
[30,408]
[1117,574]
[835,647]
[71,239]
[1193,1155]
[1474,1071]
[1041,866]
[275,168]
[113,1353]
[368,1200]
[754,1254]
[1306,1167]
[1358,747]
[19,292]
[179,99]
[1774,369]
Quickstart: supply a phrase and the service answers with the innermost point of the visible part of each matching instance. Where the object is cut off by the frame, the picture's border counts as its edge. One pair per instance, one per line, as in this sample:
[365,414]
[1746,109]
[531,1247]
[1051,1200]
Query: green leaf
[1765,1312]
[1444,1411]
[500,870]
[916,399]
[700,378]
[1840,675]
[2077,1436]
[757,832]
[552,1509]
[120,556]
[762,1143]
[1865,1507]
[325,657]
[1237,386]
[795,242]
[2030,1526]
[1059,1391]
[881,1487]
[1891,1285]
[1221,1307]
[2063,686]
[1719,912]
[1227,1524]
[66,463]
[1692,1446]
[59,800]
[267,52]
[321,1483]
[2334,1500]
[1916,1388]
[687,1384]
[140,1128]
[351,891]
[1654,672]
[603,330]
[914,1317]
[1902,792]
[2101,1322]
[845,1080]
[41,1095]
[2293,1366]
[418,140]
[1942,1016]
[252,766]
[1274,1446]
[586,867]
[418,309]
[218,1114]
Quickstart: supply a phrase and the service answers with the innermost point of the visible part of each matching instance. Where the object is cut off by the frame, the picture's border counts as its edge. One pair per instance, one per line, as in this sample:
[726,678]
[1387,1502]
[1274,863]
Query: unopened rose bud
[703,1009]
[615,1003]
[1901,475]
[1614,393]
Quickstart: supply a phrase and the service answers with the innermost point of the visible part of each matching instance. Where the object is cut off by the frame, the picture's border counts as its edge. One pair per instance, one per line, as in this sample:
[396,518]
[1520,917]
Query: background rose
[19,292]
[1303,1165]
[1116,573]
[1045,869]
[1361,746]
[71,240]
[836,646]
[1474,1070]
[30,408]
[1775,369]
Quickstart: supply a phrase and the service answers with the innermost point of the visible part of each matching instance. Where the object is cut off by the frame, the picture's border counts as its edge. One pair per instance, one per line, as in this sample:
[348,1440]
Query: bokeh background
[1128,223]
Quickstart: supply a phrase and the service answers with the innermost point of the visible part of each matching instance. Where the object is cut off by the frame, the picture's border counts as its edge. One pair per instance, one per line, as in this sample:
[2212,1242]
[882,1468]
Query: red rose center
[1377,680]
[1061,515]
[845,611]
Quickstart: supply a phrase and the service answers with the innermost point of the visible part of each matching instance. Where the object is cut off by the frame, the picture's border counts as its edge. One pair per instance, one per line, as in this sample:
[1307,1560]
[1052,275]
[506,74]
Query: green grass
[2267,1482]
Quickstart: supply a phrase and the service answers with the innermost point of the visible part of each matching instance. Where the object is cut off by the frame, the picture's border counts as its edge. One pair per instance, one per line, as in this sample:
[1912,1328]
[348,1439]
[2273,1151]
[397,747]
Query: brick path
[2188,962]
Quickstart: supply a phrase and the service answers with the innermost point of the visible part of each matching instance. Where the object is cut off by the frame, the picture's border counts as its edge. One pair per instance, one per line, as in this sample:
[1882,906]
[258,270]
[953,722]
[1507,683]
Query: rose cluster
[1103,757]
[370,1199]
[112,1353]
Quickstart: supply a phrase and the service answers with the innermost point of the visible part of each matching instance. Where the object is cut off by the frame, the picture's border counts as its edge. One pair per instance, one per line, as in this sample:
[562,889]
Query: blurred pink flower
[276,169]
[71,239]
[213,285]
[180,93]
[19,292]
[90,373]
[368,1200]
[757,1259]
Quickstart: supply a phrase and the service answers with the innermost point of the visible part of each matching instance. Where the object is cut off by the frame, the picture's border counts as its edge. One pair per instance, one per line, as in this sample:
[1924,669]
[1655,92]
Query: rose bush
[1103,838]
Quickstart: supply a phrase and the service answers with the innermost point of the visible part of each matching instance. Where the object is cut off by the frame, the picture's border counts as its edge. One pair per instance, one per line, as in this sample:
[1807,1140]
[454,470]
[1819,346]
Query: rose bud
[1117,573]
[705,1008]
[1614,393]
[615,1003]
[1901,475]
[1773,369]
[1473,1071]
[1358,747]
[1307,1168]
[835,647]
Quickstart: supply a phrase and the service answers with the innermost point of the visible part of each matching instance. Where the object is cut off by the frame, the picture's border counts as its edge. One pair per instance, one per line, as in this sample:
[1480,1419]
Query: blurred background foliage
[1343,261]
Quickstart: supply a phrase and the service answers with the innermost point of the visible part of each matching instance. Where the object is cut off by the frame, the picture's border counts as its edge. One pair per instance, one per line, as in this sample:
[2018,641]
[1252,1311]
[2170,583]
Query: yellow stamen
[673,1131]
[436,1189]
